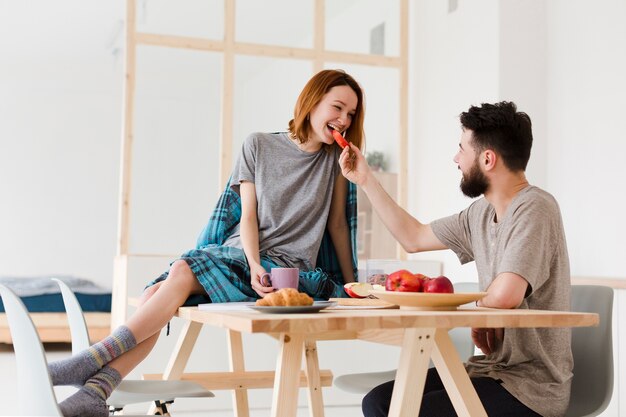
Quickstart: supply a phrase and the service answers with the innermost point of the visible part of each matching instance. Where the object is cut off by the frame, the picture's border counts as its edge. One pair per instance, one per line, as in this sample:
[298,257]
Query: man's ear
[489,159]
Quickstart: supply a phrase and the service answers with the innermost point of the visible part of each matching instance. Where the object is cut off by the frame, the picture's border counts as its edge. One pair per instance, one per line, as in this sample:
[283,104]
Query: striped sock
[90,400]
[82,366]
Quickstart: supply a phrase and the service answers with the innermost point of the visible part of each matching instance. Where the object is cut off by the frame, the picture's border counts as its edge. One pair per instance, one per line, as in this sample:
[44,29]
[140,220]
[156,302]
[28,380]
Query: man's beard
[475,183]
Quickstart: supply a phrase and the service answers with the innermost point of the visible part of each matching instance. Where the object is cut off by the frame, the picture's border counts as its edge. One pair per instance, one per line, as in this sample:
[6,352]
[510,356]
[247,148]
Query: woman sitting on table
[285,191]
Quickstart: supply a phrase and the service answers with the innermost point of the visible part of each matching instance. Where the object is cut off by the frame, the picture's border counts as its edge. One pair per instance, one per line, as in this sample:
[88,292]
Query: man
[515,235]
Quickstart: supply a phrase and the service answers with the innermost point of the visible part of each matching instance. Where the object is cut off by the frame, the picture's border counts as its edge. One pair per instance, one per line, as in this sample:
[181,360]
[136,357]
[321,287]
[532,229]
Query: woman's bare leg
[128,361]
[152,316]
[157,306]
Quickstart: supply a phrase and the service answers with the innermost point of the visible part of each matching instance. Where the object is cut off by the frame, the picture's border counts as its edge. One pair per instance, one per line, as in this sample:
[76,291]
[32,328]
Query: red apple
[440,284]
[403,280]
[423,279]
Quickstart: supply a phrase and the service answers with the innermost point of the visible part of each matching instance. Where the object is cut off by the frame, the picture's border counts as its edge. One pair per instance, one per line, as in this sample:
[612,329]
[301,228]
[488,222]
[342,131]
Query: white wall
[59,142]
[586,107]
[454,63]
[562,63]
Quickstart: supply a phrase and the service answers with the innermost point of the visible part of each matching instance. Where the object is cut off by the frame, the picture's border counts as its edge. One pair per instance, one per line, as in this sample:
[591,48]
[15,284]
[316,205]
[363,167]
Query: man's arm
[506,291]
[407,230]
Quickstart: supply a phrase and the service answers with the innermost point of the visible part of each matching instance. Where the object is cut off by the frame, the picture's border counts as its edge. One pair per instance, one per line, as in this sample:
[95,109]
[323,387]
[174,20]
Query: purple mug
[281,278]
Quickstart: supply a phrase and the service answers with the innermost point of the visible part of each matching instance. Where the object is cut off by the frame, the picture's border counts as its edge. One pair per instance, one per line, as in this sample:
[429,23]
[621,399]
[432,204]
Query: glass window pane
[266,90]
[275,22]
[363,26]
[381,87]
[177,119]
[193,18]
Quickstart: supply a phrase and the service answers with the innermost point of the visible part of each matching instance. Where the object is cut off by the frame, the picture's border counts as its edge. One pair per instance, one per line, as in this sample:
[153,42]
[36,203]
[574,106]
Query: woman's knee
[149,292]
[181,273]
[179,269]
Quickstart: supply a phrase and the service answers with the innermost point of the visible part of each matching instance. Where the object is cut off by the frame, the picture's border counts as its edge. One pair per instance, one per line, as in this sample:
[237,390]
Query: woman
[291,190]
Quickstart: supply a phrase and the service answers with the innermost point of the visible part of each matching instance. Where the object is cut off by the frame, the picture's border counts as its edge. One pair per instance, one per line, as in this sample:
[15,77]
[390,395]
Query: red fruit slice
[340,139]
[358,289]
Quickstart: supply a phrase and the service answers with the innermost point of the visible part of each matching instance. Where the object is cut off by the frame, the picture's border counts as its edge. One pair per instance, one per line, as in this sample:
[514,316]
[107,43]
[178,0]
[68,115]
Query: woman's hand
[256,271]
[354,168]
[487,340]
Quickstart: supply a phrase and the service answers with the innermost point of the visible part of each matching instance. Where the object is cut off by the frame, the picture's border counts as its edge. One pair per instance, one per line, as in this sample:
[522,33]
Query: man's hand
[487,340]
[360,170]
[256,271]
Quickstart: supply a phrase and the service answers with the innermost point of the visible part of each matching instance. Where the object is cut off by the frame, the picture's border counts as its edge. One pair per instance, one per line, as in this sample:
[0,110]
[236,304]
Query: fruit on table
[440,284]
[404,280]
[423,279]
[360,289]
[341,141]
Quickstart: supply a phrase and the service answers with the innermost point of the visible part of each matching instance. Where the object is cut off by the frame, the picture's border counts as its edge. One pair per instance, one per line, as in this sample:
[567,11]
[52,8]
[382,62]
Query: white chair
[592,347]
[362,383]
[36,395]
[161,393]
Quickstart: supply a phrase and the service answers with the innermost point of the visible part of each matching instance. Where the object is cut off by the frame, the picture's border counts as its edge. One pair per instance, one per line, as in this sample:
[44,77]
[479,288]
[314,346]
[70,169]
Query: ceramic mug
[281,278]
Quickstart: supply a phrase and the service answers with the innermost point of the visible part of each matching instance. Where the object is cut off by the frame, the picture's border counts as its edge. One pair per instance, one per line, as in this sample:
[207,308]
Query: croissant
[285,297]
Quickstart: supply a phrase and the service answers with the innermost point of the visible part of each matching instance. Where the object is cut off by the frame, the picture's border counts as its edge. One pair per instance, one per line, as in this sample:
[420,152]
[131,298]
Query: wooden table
[423,335]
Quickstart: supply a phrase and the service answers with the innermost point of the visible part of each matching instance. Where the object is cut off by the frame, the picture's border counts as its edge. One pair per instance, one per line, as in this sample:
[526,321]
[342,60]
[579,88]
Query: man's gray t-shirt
[293,189]
[535,365]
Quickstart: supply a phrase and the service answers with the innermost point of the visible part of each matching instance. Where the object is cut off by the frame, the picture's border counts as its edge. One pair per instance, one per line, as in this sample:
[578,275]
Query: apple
[403,280]
[423,279]
[439,284]
[358,289]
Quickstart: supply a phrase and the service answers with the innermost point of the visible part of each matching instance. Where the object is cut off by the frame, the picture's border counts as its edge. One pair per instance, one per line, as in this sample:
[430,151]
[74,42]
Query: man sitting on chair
[515,235]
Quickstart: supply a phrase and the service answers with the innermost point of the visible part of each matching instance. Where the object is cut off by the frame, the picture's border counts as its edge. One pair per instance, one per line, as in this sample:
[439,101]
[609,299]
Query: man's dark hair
[502,128]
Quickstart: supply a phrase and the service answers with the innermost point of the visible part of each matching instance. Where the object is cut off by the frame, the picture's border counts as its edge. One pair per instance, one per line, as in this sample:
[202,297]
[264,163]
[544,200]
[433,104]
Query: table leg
[411,375]
[181,353]
[285,395]
[240,395]
[454,377]
[316,402]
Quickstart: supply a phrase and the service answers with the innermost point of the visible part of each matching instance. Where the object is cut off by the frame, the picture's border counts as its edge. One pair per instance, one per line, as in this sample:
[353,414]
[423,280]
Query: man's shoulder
[539,198]
[479,207]
[536,206]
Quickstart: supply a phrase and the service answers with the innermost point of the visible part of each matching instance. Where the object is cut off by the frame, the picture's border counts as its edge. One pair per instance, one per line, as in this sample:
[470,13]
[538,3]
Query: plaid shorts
[224,274]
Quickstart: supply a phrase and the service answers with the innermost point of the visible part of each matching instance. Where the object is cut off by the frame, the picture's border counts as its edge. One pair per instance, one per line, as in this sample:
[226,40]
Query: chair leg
[114,410]
[161,408]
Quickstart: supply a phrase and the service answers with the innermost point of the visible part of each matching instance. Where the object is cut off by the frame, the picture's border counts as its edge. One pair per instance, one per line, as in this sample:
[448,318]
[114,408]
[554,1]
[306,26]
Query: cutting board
[363,303]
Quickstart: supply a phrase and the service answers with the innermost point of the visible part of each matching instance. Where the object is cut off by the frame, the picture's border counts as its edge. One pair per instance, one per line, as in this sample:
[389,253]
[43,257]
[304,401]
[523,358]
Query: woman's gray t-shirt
[293,189]
[534,364]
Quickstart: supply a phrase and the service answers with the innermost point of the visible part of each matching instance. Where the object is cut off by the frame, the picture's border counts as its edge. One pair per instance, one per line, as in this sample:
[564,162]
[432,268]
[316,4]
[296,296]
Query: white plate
[317,306]
[427,300]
